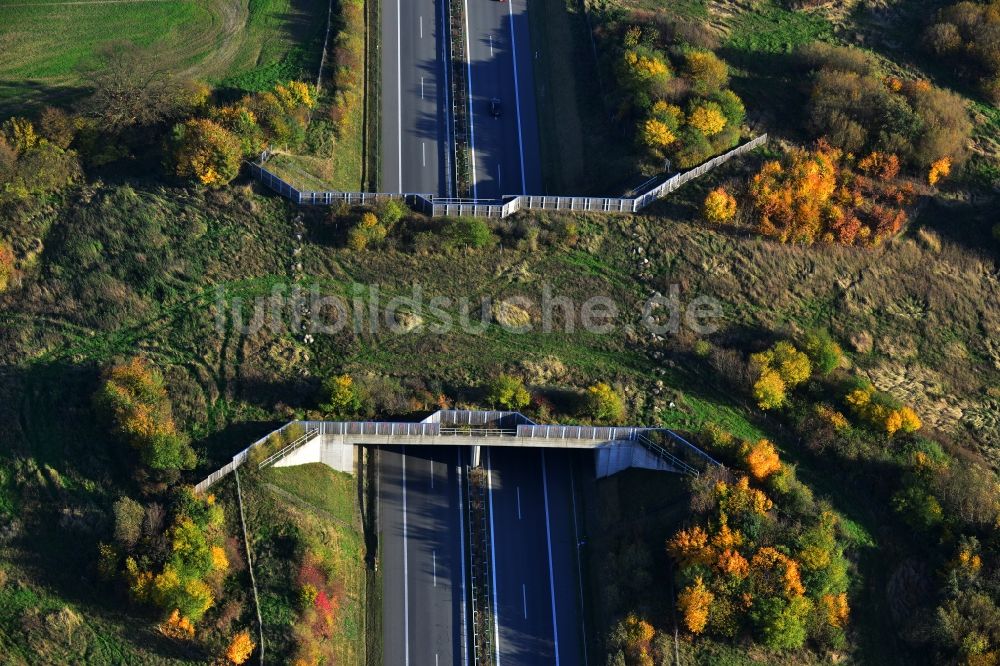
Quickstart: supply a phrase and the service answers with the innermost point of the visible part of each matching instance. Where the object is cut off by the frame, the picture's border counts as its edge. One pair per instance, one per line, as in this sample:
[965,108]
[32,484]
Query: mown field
[241,44]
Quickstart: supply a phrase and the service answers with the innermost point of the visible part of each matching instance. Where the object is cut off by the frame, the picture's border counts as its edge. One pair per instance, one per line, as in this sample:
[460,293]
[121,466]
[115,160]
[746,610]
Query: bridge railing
[478,431]
[382,428]
[242,457]
[454,423]
[605,433]
[689,449]
[507,205]
[503,419]
[304,439]
[667,456]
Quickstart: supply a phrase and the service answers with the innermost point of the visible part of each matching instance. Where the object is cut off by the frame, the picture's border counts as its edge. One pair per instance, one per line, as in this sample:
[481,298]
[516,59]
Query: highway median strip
[460,98]
[481,577]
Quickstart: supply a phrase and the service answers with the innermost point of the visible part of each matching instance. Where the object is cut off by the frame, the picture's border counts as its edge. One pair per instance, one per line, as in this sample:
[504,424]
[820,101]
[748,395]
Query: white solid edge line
[406,572]
[517,99]
[579,567]
[399,97]
[450,123]
[548,543]
[472,124]
[493,559]
[461,542]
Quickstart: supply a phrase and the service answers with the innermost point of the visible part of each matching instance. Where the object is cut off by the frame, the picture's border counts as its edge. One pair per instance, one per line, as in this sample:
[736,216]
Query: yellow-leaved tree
[707,117]
[770,390]
[939,169]
[601,403]
[719,206]
[694,602]
[656,134]
[778,369]
[708,74]
[20,134]
[205,152]
[240,648]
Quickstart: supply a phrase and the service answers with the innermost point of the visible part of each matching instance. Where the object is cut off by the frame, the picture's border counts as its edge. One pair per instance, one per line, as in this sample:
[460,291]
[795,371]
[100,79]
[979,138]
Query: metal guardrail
[477,417]
[689,447]
[450,207]
[482,432]
[607,433]
[667,456]
[304,439]
[480,573]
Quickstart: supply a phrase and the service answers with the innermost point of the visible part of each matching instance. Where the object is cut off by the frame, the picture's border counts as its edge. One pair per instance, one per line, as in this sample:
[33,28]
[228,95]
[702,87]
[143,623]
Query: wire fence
[450,207]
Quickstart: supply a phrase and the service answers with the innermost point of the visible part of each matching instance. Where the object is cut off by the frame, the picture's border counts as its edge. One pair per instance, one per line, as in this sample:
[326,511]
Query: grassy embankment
[299,512]
[334,154]
[572,121]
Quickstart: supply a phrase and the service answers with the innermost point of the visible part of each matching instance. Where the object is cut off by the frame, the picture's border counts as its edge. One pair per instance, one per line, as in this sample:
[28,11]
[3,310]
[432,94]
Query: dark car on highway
[495,107]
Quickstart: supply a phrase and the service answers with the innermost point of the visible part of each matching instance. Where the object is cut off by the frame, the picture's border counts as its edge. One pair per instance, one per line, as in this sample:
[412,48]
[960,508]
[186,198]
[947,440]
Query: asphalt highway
[422,551]
[506,157]
[535,567]
[416,109]
[415,125]
[421,556]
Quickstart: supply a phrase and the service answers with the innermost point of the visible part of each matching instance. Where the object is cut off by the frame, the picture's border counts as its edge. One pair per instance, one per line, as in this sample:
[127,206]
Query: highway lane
[506,156]
[535,568]
[415,129]
[422,554]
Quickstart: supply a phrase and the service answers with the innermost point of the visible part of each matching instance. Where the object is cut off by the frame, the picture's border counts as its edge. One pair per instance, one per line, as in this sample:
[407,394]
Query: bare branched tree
[130,89]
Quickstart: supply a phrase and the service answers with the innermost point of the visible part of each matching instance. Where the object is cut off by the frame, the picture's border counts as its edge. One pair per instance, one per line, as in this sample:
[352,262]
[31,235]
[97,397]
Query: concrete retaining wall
[619,456]
[331,450]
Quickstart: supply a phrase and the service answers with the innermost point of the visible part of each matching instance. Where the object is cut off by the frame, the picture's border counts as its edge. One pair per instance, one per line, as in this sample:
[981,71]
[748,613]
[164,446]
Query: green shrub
[391,212]
[603,405]
[825,354]
[508,392]
[343,398]
[129,515]
[466,231]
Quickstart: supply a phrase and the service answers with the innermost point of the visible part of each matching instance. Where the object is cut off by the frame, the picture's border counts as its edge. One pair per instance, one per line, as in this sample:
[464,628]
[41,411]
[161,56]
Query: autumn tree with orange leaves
[134,399]
[744,568]
[762,460]
[240,648]
[819,195]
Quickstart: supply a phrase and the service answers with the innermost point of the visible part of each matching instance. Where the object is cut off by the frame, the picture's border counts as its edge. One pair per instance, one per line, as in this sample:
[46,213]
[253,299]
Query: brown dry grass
[931,306]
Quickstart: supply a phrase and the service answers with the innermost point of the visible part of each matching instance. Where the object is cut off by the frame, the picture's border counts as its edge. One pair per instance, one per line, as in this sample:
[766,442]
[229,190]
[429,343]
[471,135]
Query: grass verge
[573,125]
[284,531]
